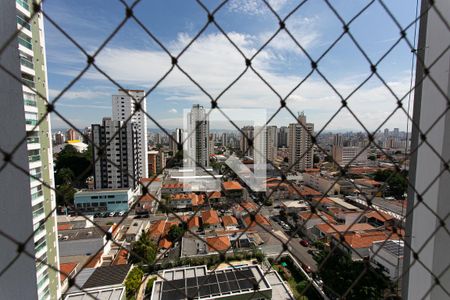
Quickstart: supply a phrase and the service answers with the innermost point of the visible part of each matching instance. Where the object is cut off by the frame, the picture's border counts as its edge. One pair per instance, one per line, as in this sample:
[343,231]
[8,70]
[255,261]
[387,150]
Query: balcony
[25,43]
[29,102]
[23,23]
[24,4]
[31,122]
[26,63]
[29,83]
[32,140]
[33,158]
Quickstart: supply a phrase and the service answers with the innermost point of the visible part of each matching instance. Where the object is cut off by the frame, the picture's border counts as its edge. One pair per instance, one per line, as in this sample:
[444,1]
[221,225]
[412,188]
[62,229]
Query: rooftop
[229,221]
[66,269]
[196,282]
[232,185]
[259,219]
[218,243]
[210,217]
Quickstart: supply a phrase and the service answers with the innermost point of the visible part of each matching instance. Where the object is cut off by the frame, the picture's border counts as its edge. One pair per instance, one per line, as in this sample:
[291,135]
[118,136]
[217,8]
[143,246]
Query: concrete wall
[19,281]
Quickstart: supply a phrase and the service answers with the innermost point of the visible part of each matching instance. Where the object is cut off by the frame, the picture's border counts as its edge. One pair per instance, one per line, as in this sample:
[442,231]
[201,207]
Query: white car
[111,214]
[121,213]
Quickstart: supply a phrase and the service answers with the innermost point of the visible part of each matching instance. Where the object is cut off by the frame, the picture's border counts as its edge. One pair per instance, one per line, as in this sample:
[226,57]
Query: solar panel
[233,286]
[204,290]
[173,295]
[245,284]
[221,277]
[230,275]
[191,281]
[224,287]
[192,292]
[214,288]
[178,284]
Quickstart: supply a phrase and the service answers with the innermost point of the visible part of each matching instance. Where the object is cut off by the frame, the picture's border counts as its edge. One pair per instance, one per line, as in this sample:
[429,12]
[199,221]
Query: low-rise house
[307,220]
[324,184]
[174,188]
[157,230]
[67,271]
[233,191]
[294,206]
[259,222]
[193,222]
[210,220]
[230,223]
[218,244]
[357,244]
[134,232]
[378,218]
[324,232]
[244,208]
[185,201]
[388,255]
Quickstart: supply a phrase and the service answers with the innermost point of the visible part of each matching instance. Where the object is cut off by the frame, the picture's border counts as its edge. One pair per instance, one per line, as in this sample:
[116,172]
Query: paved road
[298,251]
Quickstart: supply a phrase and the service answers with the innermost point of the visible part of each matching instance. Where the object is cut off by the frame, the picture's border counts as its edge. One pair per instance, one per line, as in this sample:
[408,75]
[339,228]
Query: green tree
[64,194]
[338,272]
[78,163]
[66,175]
[396,181]
[144,251]
[133,281]
[175,232]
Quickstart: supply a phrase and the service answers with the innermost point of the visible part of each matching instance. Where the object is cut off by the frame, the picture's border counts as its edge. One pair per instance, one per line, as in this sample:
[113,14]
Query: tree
[64,194]
[78,163]
[396,181]
[316,159]
[338,272]
[144,251]
[133,281]
[372,157]
[175,232]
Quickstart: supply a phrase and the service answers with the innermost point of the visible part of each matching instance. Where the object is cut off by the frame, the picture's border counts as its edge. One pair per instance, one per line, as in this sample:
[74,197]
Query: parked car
[304,243]
[111,214]
[121,213]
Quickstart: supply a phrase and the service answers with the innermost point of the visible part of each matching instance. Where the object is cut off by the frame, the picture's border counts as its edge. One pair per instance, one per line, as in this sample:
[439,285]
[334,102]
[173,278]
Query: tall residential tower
[301,152]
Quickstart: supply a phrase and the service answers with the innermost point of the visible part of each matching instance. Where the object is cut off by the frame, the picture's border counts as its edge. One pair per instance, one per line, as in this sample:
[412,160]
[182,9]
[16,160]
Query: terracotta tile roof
[64,227]
[157,229]
[229,221]
[147,198]
[175,185]
[232,185]
[247,205]
[66,268]
[306,191]
[121,257]
[365,240]
[169,225]
[259,219]
[196,200]
[214,195]
[307,215]
[210,217]
[312,170]
[327,229]
[165,244]
[192,221]
[324,200]
[368,182]
[380,216]
[218,243]
[93,263]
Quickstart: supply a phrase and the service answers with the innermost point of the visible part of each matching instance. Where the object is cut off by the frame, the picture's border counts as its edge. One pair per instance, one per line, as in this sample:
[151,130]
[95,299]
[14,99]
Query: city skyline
[281,63]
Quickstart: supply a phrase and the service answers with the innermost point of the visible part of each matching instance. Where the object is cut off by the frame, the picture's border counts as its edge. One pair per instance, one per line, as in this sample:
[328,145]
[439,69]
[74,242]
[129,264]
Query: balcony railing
[28,82]
[24,4]
[23,23]
[32,140]
[30,102]
[25,43]
[33,158]
[26,63]
[31,122]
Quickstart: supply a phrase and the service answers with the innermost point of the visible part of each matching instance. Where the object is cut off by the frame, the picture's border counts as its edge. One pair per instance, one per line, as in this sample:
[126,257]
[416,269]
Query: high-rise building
[343,155]
[59,138]
[177,138]
[301,152]
[283,136]
[197,144]
[247,133]
[119,166]
[124,109]
[72,134]
[28,54]
[156,162]
[271,143]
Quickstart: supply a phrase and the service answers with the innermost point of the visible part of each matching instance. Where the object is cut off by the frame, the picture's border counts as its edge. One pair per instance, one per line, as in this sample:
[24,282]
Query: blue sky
[135,61]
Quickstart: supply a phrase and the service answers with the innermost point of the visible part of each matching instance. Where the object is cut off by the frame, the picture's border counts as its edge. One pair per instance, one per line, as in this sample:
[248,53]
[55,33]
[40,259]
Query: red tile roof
[365,240]
[232,185]
[327,229]
[229,221]
[165,244]
[259,219]
[157,229]
[66,268]
[210,217]
[121,257]
[192,221]
[218,243]
[64,227]
[380,216]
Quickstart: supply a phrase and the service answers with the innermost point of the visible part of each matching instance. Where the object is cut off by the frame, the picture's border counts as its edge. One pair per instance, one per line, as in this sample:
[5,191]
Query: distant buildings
[301,152]
[156,161]
[343,155]
[118,166]
[283,137]
[72,135]
[177,139]
[272,143]
[124,109]
[197,143]
[108,200]
[247,133]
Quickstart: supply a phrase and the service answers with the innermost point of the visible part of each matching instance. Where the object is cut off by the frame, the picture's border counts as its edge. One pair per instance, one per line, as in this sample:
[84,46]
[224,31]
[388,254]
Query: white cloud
[79,94]
[214,63]
[173,111]
[255,7]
